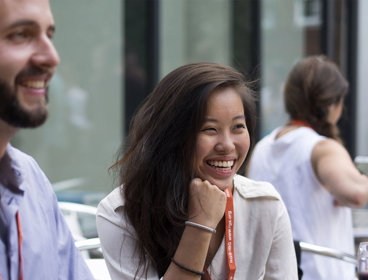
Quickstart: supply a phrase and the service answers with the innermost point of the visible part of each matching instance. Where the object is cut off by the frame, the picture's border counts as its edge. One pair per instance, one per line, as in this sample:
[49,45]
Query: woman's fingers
[206,203]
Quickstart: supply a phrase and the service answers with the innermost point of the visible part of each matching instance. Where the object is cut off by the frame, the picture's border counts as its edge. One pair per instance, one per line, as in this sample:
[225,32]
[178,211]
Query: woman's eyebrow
[209,119]
[239,117]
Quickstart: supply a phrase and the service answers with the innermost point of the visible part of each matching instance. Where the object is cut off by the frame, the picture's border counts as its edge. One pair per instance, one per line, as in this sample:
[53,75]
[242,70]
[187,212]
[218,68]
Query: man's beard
[12,111]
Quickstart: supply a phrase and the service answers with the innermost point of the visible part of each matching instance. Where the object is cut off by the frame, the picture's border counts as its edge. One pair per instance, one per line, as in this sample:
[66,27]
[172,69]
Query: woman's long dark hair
[312,86]
[155,168]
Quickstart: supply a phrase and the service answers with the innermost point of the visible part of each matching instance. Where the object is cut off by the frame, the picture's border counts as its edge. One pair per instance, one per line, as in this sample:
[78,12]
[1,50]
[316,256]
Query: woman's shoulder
[329,149]
[111,204]
[259,198]
[249,188]
[329,144]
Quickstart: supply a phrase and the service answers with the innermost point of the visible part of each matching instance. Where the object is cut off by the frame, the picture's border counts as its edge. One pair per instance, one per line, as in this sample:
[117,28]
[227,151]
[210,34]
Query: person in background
[307,163]
[181,211]
[35,240]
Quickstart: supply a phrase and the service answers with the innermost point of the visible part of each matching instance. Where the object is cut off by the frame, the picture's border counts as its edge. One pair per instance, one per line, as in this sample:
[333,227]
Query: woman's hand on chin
[206,203]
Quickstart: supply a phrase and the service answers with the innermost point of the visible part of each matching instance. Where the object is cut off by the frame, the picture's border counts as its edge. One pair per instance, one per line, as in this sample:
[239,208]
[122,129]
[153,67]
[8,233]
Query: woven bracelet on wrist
[196,272]
[211,230]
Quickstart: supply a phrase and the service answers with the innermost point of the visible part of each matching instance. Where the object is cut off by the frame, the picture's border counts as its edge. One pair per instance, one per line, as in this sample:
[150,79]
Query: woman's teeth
[221,164]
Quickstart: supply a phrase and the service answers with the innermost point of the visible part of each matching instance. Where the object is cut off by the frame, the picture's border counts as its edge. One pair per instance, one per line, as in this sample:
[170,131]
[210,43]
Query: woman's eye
[209,129]
[240,126]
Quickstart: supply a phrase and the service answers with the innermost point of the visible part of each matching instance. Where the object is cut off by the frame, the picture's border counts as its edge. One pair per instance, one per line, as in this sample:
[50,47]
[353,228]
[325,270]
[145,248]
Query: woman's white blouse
[263,242]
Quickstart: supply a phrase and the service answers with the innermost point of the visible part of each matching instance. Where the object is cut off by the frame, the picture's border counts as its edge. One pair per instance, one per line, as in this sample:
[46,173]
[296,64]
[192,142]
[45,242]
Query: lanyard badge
[229,233]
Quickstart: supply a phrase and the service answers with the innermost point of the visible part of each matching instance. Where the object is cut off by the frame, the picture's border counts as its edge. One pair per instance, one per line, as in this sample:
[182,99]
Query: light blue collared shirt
[48,249]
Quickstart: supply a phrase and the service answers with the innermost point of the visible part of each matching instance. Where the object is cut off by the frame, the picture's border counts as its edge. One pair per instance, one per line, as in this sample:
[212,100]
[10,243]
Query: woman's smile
[223,141]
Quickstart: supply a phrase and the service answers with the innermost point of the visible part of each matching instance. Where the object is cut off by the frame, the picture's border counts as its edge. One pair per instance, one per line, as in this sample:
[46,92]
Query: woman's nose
[225,143]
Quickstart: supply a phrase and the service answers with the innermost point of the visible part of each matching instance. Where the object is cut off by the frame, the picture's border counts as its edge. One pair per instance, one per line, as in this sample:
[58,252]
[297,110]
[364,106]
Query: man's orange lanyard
[20,237]
[229,235]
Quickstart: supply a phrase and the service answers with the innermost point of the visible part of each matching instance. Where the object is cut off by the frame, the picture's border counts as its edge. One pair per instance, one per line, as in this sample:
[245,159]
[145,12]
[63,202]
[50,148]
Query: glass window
[193,31]
[288,32]
[77,144]
[163,35]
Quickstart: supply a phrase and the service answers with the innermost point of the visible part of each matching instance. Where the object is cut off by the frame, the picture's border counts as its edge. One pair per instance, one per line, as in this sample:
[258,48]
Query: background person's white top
[262,236]
[286,163]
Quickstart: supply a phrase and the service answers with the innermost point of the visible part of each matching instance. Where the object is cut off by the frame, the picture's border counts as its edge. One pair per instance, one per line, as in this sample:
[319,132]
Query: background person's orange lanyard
[300,123]
[229,235]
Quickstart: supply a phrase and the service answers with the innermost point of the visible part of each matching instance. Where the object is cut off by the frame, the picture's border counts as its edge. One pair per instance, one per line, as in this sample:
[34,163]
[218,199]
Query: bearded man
[35,240]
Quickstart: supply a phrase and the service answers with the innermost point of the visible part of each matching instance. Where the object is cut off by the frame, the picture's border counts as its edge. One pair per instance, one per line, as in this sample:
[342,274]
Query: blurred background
[114,52]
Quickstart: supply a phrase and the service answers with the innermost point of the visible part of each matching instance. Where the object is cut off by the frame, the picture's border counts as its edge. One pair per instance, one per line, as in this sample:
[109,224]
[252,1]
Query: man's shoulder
[19,156]
[28,170]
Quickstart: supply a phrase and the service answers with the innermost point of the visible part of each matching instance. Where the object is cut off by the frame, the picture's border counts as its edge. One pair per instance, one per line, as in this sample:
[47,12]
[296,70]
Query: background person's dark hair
[156,167]
[314,84]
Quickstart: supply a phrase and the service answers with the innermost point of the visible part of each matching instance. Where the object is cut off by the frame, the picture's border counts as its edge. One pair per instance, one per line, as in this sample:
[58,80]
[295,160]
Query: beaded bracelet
[196,272]
[188,223]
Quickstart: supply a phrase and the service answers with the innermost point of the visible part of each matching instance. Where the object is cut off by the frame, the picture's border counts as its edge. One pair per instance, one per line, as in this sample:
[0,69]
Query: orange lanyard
[300,123]
[229,235]
[20,237]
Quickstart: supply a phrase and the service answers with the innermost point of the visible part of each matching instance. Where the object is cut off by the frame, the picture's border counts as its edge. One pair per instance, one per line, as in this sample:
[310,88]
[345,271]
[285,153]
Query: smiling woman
[179,190]
[223,141]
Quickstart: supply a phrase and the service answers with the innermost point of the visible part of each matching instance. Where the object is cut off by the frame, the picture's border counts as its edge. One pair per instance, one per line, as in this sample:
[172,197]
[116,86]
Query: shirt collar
[116,200]
[10,172]
[248,188]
